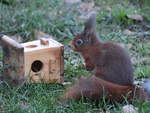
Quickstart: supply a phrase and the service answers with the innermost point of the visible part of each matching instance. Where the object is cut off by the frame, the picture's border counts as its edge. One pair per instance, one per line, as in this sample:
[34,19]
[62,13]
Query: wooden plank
[10,42]
[36,45]
[38,34]
[13,61]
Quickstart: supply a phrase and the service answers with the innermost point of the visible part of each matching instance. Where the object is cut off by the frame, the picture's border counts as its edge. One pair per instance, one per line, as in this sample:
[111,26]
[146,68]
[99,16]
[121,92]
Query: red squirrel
[95,88]
[110,61]
[113,77]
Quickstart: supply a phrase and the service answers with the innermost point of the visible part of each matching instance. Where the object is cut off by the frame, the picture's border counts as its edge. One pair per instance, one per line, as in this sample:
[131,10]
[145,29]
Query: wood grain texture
[50,57]
[13,61]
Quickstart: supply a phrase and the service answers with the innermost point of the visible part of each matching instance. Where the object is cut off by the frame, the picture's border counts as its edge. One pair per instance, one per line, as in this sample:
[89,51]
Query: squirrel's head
[87,37]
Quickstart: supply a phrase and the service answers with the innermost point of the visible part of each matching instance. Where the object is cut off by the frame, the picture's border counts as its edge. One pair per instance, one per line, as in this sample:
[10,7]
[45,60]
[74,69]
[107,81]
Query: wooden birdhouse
[43,60]
[38,60]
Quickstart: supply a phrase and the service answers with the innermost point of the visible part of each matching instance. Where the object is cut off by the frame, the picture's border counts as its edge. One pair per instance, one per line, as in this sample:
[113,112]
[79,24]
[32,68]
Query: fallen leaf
[108,8]
[141,60]
[87,6]
[129,109]
[145,60]
[87,15]
[66,83]
[72,1]
[87,9]
[124,46]
[129,46]
[105,112]
[25,105]
[128,32]
[135,17]
[38,34]
[134,60]
[1,108]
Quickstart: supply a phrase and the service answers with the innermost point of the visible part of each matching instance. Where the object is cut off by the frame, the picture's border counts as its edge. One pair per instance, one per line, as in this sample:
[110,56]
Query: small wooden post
[13,61]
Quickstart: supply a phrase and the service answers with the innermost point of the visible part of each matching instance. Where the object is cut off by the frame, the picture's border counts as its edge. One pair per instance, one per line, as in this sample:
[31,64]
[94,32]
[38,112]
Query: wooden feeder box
[40,60]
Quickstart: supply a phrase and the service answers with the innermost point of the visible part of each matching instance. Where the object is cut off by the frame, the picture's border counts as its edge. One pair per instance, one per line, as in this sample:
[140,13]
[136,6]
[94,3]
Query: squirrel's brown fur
[113,77]
[95,88]
[110,61]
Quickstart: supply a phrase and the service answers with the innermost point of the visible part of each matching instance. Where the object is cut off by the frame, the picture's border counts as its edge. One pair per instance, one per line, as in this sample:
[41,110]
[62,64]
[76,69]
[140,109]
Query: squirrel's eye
[79,41]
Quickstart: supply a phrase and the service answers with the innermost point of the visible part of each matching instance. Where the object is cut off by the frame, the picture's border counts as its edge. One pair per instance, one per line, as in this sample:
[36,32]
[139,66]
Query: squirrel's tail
[95,88]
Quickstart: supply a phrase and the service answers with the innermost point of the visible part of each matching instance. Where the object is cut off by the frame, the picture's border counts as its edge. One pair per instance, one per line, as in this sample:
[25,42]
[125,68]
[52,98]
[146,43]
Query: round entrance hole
[36,66]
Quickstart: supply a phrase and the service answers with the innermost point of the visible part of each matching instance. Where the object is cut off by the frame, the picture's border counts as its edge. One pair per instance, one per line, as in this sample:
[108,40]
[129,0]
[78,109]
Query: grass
[62,21]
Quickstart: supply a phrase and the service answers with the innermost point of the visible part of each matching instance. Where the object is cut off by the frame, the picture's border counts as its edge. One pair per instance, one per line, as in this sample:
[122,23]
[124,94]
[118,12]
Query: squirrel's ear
[90,26]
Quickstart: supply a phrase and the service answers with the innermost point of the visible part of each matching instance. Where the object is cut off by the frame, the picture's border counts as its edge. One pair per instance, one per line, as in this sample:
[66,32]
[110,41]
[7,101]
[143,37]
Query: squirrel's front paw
[89,67]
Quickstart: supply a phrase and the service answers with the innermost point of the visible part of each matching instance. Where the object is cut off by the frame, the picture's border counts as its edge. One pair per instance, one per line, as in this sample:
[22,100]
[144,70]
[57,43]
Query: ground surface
[63,20]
